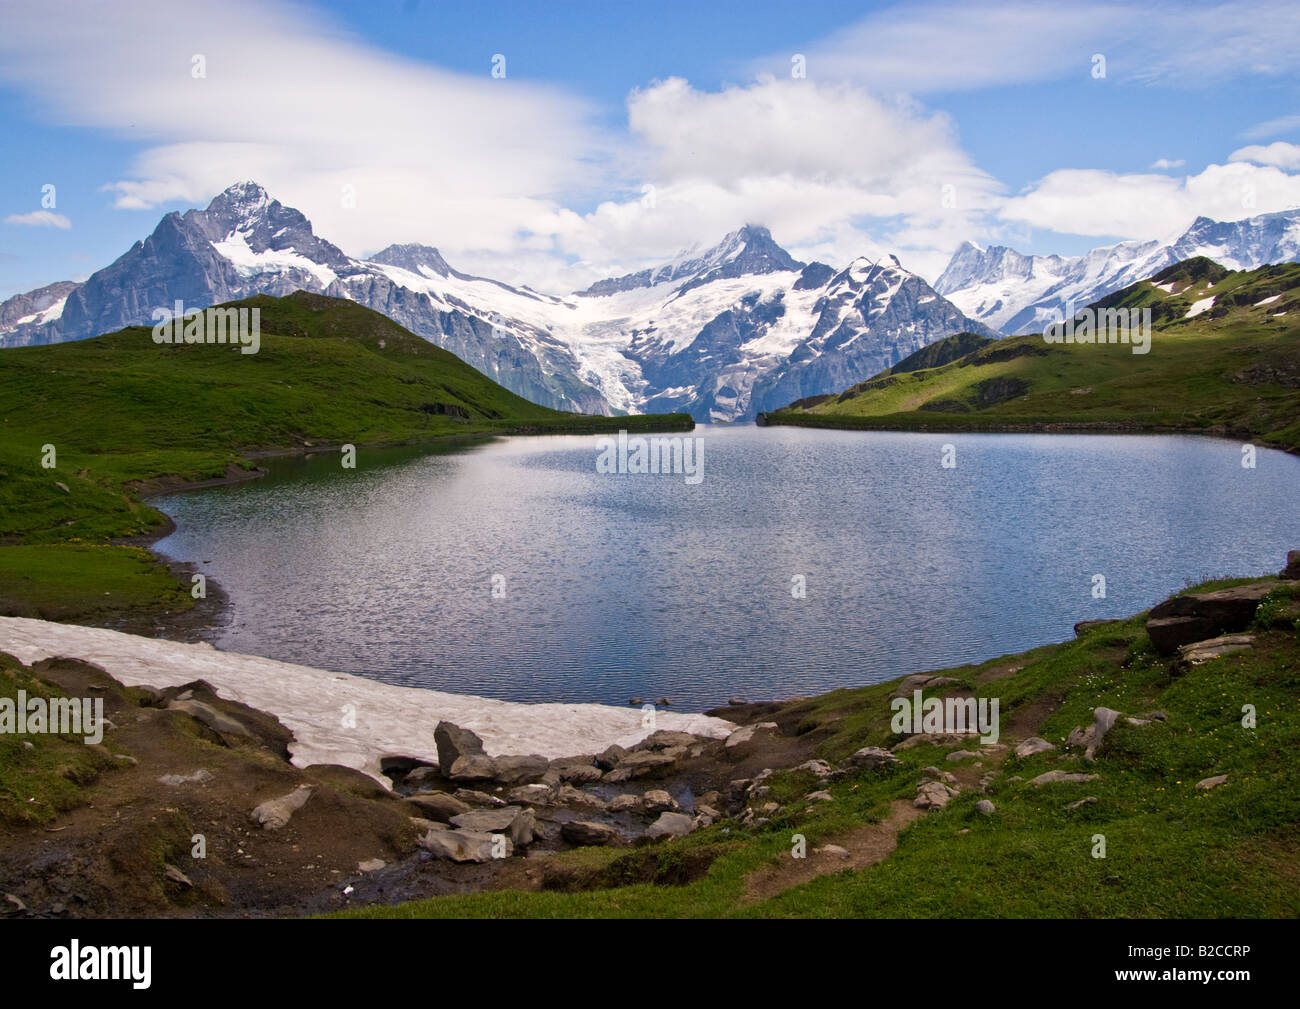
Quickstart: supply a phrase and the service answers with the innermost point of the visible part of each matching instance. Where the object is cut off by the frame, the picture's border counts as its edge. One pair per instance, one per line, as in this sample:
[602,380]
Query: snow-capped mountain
[720,333]
[1015,293]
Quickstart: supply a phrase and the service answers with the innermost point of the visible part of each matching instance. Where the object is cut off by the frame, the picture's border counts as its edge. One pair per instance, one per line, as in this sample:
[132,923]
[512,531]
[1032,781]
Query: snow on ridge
[391,720]
[235,248]
[1204,305]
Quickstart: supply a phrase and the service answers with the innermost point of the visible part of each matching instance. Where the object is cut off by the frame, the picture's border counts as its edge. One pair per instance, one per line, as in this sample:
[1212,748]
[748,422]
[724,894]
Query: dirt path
[866,845]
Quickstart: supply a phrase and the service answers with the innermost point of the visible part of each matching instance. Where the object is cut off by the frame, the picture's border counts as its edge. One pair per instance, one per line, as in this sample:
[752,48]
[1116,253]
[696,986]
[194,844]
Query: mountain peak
[242,198]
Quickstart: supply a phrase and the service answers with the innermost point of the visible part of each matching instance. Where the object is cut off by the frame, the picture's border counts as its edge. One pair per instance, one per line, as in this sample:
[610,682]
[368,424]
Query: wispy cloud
[1278,154]
[40,219]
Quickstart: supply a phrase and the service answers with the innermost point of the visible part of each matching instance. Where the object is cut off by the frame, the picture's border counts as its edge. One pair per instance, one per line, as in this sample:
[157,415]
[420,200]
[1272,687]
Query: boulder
[576,770]
[223,725]
[466,845]
[670,825]
[1090,800]
[985,808]
[663,738]
[962,755]
[1196,616]
[518,770]
[818,768]
[587,834]
[275,813]
[437,805]
[1292,570]
[487,821]
[637,764]
[531,795]
[608,758]
[567,795]
[1032,746]
[626,804]
[477,798]
[473,767]
[1205,784]
[453,742]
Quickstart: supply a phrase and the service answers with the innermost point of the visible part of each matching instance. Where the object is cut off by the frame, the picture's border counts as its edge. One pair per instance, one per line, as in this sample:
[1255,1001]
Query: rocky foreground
[193,804]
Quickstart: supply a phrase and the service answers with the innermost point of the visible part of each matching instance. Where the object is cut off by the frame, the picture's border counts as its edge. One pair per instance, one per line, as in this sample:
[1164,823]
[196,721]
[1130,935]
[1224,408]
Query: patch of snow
[1267,301]
[1198,307]
[1167,288]
[391,720]
[235,248]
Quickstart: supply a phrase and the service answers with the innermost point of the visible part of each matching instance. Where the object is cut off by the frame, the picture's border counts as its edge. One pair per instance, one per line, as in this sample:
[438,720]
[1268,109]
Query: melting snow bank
[313,703]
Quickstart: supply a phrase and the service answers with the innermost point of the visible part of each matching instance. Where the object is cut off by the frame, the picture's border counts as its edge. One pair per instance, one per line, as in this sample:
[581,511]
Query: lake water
[621,586]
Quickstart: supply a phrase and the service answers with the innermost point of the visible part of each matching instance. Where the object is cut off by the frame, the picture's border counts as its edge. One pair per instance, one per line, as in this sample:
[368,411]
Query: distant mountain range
[1014,293]
[721,334]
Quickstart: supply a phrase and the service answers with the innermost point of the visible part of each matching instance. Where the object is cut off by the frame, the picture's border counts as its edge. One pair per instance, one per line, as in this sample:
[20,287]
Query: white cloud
[1279,154]
[290,100]
[1101,203]
[1164,164]
[40,219]
[960,46]
[1272,127]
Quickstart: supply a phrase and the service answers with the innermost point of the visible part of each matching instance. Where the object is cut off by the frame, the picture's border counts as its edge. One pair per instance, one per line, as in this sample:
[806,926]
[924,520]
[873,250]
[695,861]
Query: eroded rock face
[1183,620]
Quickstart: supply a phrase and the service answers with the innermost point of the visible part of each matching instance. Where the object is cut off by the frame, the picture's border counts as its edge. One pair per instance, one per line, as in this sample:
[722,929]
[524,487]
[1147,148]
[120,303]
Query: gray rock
[466,845]
[567,795]
[933,795]
[575,770]
[626,804]
[477,798]
[670,825]
[587,834]
[746,733]
[961,755]
[531,795]
[1090,800]
[819,768]
[174,875]
[1193,617]
[199,777]
[371,865]
[872,758]
[453,742]
[275,813]
[1032,746]
[821,796]
[638,764]
[437,805]
[215,720]
[659,801]
[610,757]
[1205,784]
[521,769]
[487,821]
[985,808]
[472,768]
[834,850]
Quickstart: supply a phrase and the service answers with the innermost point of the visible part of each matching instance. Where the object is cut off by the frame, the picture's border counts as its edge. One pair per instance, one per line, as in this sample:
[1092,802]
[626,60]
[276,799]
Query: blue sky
[542,177]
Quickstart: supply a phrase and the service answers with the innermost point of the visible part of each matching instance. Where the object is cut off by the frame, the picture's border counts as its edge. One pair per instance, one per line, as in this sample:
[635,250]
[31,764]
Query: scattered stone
[933,795]
[834,850]
[610,757]
[199,777]
[1055,777]
[587,834]
[938,775]
[487,821]
[1033,746]
[1205,784]
[465,845]
[670,825]
[518,770]
[126,759]
[575,770]
[985,808]
[15,906]
[961,755]
[818,768]
[663,738]
[567,795]
[822,796]
[659,801]
[1200,652]
[639,763]
[438,805]
[371,865]
[1091,738]
[1090,800]
[275,813]
[708,811]
[746,733]
[473,767]
[174,875]
[934,739]
[531,795]
[872,758]
[27,745]
[625,803]
[477,798]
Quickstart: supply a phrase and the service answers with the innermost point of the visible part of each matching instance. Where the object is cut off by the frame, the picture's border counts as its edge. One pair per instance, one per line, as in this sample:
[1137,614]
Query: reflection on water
[620,586]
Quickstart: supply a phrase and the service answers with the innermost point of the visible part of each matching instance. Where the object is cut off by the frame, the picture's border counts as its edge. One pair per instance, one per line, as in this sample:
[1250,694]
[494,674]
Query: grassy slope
[1188,380]
[1172,851]
[122,411]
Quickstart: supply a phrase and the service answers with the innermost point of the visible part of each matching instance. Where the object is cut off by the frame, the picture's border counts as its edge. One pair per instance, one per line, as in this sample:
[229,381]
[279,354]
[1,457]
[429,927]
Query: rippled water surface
[647,586]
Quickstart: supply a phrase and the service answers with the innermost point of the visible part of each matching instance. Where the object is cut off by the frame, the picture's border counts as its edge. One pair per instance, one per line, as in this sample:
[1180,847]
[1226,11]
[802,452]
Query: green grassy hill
[1232,368]
[125,414]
